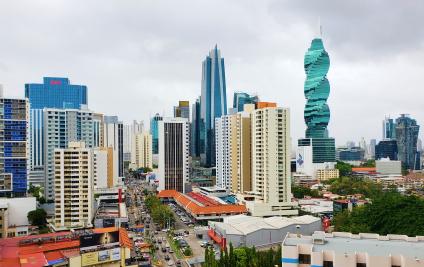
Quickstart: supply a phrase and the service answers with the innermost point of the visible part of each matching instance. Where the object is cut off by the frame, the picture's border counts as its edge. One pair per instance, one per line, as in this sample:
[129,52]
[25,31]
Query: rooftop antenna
[319,27]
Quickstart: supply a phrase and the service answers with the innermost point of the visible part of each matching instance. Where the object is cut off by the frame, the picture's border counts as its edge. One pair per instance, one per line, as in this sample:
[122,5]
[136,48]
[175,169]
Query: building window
[361,265]
[327,264]
[304,259]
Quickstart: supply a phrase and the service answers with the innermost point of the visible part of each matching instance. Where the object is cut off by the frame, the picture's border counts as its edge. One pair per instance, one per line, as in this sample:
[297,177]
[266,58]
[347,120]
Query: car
[170,263]
[167,258]
[171,251]
[163,249]
[160,241]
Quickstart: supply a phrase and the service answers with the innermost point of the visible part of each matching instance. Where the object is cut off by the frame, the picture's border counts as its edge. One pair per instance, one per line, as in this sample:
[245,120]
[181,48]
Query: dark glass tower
[407,136]
[241,98]
[213,102]
[386,149]
[154,130]
[195,129]
[317,113]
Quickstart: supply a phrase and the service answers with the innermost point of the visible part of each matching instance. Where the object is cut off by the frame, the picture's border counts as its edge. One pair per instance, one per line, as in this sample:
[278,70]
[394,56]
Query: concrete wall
[19,208]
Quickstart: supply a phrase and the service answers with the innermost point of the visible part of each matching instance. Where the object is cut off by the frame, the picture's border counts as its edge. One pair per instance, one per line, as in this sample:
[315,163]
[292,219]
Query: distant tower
[213,102]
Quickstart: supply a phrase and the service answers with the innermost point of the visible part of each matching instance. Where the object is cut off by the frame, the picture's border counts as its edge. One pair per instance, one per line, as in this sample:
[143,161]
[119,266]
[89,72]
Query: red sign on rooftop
[55,82]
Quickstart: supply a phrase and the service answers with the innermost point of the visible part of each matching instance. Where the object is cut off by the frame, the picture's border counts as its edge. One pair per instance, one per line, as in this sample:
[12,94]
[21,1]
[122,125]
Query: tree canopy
[37,217]
[389,213]
[344,168]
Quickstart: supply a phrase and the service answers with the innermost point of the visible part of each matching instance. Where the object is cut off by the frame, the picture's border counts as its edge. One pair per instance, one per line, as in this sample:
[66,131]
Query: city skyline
[266,63]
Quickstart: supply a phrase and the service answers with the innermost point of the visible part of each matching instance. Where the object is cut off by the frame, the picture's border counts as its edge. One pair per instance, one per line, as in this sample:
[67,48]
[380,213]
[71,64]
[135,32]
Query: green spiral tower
[317,89]
[317,112]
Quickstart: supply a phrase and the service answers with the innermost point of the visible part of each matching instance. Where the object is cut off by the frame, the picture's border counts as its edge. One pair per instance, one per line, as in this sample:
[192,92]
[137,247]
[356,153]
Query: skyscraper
[173,154]
[182,110]
[407,136]
[241,98]
[213,102]
[154,130]
[54,92]
[386,149]
[317,112]
[13,146]
[73,180]
[195,129]
[143,150]
[62,126]
[114,137]
[271,177]
[389,128]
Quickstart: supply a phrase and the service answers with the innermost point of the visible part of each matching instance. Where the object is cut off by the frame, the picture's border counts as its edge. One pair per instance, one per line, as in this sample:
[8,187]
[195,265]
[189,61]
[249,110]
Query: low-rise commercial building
[200,207]
[243,230]
[388,167]
[13,216]
[349,250]
[107,247]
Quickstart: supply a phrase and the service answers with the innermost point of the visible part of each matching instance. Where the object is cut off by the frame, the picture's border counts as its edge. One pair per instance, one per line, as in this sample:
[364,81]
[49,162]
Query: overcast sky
[140,57]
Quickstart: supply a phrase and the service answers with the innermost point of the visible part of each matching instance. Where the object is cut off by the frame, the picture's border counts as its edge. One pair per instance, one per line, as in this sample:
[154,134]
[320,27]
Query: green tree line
[243,257]
[160,213]
[389,213]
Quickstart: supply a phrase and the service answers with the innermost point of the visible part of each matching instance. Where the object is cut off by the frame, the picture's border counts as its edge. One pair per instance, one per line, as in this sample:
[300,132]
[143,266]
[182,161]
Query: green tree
[37,217]
[389,213]
[301,192]
[163,215]
[344,168]
[368,163]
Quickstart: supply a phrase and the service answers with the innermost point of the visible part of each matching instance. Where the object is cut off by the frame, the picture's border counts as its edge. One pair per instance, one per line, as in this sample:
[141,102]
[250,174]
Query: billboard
[101,256]
[94,240]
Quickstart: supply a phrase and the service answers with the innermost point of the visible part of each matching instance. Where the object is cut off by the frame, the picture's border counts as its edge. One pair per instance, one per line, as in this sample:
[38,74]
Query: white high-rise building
[100,168]
[142,155]
[271,162]
[223,131]
[113,137]
[62,126]
[174,148]
[73,185]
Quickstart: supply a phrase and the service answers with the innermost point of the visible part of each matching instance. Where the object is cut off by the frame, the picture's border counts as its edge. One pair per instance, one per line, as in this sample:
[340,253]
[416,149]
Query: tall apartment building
[407,131]
[62,126]
[173,154]
[143,156]
[271,162]
[114,137]
[233,150]
[100,168]
[14,116]
[195,129]
[54,92]
[73,185]
[223,137]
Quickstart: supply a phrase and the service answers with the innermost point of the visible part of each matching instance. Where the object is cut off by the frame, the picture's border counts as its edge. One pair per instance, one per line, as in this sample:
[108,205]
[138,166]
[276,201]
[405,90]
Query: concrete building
[114,138]
[326,174]
[14,150]
[13,215]
[223,137]
[99,130]
[243,230]
[388,167]
[349,250]
[100,168]
[73,186]
[142,155]
[271,182]
[174,149]
[62,126]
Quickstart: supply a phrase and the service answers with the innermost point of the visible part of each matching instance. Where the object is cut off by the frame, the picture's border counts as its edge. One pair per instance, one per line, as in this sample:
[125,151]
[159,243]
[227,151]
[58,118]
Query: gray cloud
[141,57]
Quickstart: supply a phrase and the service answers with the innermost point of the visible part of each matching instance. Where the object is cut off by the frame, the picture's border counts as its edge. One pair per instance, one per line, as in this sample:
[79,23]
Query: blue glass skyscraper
[154,131]
[13,147]
[241,98]
[213,102]
[55,93]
